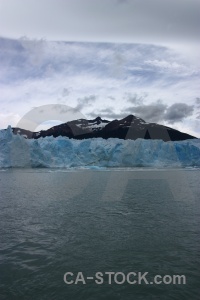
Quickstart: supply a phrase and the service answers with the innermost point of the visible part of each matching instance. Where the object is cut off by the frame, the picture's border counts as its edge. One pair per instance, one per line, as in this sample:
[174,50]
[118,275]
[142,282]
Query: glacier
[62,152]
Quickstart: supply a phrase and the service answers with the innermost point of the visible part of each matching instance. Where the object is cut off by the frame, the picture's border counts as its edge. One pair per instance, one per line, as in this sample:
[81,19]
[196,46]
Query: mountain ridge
[130,127]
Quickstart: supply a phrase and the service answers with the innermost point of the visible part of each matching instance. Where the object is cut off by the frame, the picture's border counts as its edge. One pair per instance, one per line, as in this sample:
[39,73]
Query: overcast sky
[147,62]
[106,20]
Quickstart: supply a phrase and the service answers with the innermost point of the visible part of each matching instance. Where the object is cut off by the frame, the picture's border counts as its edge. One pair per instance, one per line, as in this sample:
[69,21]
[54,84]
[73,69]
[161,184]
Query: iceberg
[62,152]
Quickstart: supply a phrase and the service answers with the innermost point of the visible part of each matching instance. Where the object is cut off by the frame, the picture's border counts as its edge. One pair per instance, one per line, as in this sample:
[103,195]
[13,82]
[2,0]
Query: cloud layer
[153,82]
[132,21]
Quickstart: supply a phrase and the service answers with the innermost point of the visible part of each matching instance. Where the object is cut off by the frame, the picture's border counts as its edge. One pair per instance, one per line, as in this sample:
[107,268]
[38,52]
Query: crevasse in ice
[16,151]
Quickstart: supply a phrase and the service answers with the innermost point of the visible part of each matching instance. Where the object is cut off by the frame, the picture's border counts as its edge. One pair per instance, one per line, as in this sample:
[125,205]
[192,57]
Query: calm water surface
[58,221]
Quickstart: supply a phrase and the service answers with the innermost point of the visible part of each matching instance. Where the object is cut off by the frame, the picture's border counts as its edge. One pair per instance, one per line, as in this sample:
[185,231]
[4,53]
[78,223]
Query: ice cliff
[16,151]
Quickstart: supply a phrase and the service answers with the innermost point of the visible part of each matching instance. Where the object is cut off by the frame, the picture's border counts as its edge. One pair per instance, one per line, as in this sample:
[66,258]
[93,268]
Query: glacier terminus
[63,152]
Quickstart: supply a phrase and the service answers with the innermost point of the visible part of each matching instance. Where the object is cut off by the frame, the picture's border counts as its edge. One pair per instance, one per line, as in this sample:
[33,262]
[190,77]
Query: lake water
[89,221]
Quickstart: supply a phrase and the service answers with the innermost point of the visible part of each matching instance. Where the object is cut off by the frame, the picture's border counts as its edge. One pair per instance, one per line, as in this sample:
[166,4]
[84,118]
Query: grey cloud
[154,112]
[65,110]
[198,102]
[61,101]
[111,97]
[85,101]
[35,50]
[157,112]
[61,108]
[136,99]
[178,111]
[108,115]
[65,92]
[108,110]
[117,64]
[151,113]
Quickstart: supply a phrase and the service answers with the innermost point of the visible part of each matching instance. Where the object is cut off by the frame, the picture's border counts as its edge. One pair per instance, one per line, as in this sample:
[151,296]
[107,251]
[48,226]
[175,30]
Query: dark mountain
[131,127]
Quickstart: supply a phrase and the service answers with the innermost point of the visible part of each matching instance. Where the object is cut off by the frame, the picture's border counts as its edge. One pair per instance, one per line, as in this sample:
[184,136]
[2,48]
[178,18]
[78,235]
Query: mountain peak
[98,120]
[131,118]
